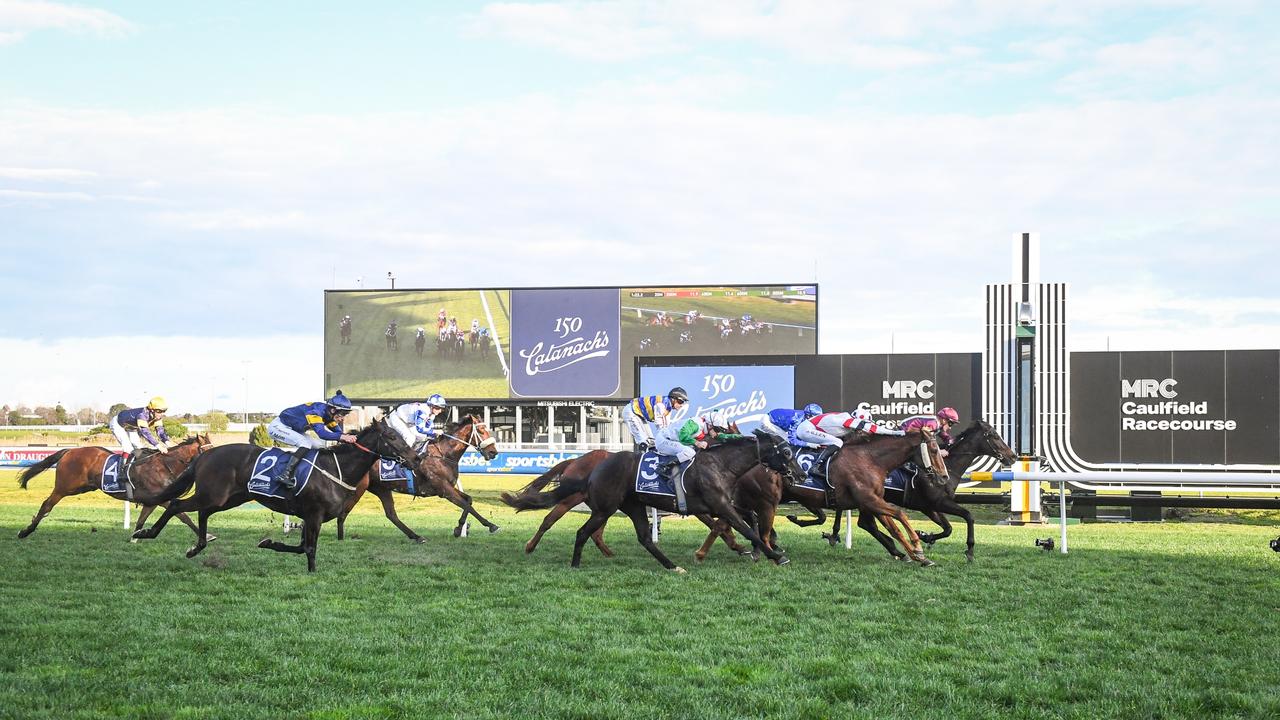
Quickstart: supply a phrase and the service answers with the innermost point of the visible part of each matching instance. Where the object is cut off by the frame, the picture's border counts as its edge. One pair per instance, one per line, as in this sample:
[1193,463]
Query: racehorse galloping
[419,341]
[344,329]
[709,488]
[577,470]
[485,340]
[221,478]
[977,440]
[393,343]
[435,475]
[80,471]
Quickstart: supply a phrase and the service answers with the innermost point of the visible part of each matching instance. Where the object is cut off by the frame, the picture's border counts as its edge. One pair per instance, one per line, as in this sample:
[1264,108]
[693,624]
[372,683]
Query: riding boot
[675,473]
[819,469]
[286,478]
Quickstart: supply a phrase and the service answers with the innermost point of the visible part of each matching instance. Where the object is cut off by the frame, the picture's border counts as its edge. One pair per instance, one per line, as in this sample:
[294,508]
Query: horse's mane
[976,426]
[463,422]
[187,441]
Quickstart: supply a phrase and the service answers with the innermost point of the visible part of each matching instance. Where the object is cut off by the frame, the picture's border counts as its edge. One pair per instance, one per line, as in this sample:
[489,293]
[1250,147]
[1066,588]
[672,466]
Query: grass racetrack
[1178,619]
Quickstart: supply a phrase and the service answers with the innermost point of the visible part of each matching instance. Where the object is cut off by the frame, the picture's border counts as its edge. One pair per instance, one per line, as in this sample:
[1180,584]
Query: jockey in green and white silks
[416,421]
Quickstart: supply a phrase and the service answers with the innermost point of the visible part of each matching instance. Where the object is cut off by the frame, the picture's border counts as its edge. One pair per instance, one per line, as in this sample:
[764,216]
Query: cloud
[18,18]
[62,175]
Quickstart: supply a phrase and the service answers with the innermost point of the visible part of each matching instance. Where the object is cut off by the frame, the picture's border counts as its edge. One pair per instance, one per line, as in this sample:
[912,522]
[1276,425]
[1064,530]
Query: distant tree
[59,414]
[115,410]
[4,415]
[258,436]
[86,416]
[174,429]
[46,413]
[217,421]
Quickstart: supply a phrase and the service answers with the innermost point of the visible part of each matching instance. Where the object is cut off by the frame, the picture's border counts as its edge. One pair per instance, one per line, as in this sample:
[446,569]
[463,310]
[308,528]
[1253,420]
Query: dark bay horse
[977,440]
[709,484]
[578,469]
[419,341]
[80,471]
[221,477]
[435,475]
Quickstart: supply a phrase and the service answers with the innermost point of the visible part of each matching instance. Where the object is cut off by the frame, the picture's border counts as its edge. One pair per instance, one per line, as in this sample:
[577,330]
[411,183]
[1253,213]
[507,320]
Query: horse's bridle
[776,444]
[477,446]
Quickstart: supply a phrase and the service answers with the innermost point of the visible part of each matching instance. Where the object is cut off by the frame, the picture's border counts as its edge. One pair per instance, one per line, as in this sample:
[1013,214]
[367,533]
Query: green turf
[367,369]
[1139,621]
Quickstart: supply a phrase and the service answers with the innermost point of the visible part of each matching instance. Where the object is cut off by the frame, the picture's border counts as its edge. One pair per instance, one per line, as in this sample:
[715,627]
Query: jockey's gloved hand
[163,448]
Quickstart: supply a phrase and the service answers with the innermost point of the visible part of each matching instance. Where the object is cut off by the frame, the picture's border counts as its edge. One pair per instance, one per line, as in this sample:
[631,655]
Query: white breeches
[287,435]
[641,433]
[768,426]
[412,437]
[128,439]
[667,446]
[810,434]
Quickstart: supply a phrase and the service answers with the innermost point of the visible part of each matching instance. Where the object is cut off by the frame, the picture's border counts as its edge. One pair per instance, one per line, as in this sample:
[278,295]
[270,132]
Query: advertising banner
[515,462]
[1176,407]
[565,343]
[746,392]
[24,456]
[895,386]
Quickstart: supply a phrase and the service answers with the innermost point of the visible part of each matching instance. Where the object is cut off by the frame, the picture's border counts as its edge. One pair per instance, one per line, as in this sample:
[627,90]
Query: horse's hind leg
[834,538]
[595,522]
[186,520]
[45,507]
[170,510]
[640,519]
[463,500]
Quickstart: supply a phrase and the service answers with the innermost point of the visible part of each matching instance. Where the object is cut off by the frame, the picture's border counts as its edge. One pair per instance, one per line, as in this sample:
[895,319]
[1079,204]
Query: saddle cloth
[112,479]
[649,480]
[268,468]
[805,458]
[391,471]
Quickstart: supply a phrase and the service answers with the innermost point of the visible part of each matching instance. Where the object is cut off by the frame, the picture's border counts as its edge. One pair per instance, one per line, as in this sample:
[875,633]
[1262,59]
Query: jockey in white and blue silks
[416,421]
[782,422]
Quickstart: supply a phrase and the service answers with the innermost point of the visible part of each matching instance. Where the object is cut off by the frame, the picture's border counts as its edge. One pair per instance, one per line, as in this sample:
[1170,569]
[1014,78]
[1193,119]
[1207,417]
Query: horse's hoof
[419,539]
[754,556]
[457,532]
[783,560]
[194,551]
[133,541]
[23,533]
[679,570]
[529,549]
[968,557]
[925,562]
[264,542]
[494,528]
[903,558]
[209,537]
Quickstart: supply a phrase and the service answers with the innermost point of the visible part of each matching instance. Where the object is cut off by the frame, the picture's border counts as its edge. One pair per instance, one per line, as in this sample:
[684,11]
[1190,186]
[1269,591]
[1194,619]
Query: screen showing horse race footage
[547,343]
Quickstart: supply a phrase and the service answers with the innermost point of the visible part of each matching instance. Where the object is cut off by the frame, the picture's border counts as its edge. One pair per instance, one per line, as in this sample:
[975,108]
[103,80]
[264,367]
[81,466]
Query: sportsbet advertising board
[531,344]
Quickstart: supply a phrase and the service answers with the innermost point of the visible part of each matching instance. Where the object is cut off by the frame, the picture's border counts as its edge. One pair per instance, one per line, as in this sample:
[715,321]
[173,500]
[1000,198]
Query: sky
[180,181]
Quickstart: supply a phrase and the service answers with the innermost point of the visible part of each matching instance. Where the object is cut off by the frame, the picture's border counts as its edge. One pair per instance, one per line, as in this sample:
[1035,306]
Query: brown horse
[709,482]
[578,469]
[435,475]
[80,471]
[857,475]
[221,481]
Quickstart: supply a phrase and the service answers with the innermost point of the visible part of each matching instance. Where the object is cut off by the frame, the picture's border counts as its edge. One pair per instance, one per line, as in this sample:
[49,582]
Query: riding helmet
[812,410]
[437,400]
[678,394]
[339,402]
[158,403]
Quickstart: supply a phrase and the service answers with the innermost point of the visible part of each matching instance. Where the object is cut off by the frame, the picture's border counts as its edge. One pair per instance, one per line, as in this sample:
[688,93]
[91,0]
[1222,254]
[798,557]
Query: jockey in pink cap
[940,423]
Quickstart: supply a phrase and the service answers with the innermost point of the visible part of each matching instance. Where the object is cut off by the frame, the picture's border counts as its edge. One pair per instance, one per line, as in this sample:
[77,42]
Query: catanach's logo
[543,358]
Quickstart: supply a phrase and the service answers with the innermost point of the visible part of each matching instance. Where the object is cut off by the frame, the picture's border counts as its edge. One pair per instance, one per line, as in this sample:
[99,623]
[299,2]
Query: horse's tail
[40,467]
[533,500]
[547,477]
[180,486]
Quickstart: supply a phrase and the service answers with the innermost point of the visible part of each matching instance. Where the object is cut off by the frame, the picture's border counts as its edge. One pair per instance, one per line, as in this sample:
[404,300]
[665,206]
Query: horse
[459,345]
[473,339]
[419,341]
[344,329]
[578,469]
[435,475]
[221,478]
[977,440]
[709,484]
[80,471]
[392,342]
[485,341]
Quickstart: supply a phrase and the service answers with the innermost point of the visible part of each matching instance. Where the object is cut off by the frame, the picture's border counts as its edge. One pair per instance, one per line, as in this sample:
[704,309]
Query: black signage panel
[1207,407]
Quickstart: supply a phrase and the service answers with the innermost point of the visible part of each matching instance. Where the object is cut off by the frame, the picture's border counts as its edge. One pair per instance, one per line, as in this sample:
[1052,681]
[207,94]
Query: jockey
[782,422]
[442,319]
[828,430]
[416,421]
[127,425]
[453,325]
[940,423]
[475,326]
[683,441]
[654,409]
[324,418]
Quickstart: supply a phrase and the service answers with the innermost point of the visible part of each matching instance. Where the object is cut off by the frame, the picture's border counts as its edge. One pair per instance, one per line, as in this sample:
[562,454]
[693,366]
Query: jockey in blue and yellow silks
[654,409]
[324,418]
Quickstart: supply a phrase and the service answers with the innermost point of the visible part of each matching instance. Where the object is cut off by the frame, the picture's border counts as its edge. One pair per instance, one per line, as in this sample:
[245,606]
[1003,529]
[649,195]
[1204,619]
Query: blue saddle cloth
[112,481]
[899,478]
[805,458]
[268,468]
[392,471]
[649,480]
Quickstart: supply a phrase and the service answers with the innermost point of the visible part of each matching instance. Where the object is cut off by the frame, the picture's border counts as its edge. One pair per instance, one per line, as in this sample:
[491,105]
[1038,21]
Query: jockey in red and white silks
[829,429]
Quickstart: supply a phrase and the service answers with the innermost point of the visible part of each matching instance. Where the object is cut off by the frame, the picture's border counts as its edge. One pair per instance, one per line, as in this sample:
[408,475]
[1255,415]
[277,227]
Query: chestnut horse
[80,471]
[435,475]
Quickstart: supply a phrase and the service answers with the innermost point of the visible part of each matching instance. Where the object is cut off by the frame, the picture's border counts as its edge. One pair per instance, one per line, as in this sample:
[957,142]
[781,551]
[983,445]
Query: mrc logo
[908,389]
[1148,388]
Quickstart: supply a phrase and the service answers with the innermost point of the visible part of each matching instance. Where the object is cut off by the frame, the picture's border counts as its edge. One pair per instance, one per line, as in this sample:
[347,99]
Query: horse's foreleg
[45,507]
[941,521]
[834,537]
[346,510]
[951,507]
[170,510]
[311,539]
[905,534]
[201,533]
[593,523]
[731,516]
[867,521]
[184,518]
[389,507]
[463,500]
[819,518]
[701,553]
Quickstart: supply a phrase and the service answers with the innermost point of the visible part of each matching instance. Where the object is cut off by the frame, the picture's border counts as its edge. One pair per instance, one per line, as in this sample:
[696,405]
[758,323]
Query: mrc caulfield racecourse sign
[565,343]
